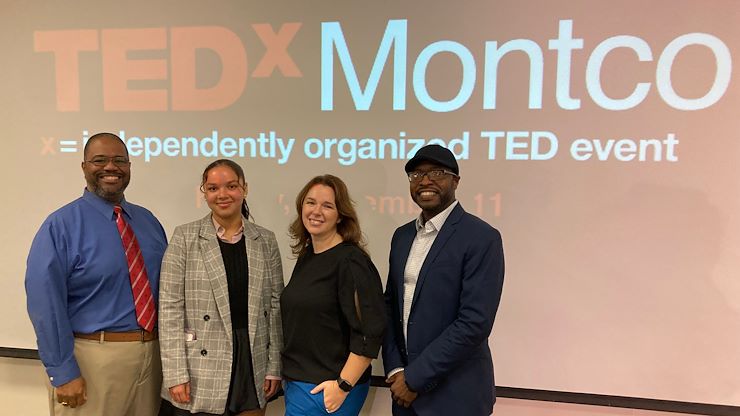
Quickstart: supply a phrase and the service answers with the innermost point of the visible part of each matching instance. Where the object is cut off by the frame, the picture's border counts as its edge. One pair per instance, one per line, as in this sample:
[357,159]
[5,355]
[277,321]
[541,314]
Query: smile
[109,178]
[427,194]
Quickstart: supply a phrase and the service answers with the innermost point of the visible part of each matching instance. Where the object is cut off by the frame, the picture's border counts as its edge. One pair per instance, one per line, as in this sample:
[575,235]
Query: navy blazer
[448,361]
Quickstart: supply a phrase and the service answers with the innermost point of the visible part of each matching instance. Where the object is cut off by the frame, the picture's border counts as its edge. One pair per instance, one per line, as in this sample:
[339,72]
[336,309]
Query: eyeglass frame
[102,161]
[428,175]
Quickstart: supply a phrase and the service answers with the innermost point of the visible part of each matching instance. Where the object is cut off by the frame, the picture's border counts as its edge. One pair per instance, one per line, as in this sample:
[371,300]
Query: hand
[333,395]
[181,392]
[400,391]
[271,387]
[73,393]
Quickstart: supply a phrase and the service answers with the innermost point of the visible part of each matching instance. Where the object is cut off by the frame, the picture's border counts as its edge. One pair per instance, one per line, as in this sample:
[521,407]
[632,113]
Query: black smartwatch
[344,385]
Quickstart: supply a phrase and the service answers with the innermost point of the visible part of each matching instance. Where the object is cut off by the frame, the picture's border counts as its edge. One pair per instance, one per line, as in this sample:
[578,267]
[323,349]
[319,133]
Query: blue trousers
[300,402]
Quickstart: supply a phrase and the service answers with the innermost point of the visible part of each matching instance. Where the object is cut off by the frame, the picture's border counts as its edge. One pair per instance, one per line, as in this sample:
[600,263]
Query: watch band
[344,385]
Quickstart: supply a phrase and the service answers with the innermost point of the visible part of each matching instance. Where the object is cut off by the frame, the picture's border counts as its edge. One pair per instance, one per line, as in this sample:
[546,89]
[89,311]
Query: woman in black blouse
[332,308]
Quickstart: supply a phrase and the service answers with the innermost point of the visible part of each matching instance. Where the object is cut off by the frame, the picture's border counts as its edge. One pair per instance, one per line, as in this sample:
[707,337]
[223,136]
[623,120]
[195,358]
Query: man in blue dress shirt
[98,358]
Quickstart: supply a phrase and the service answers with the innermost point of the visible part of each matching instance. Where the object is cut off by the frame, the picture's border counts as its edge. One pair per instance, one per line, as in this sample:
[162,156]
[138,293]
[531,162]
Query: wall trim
[605,400]
[532,394]
[19,353]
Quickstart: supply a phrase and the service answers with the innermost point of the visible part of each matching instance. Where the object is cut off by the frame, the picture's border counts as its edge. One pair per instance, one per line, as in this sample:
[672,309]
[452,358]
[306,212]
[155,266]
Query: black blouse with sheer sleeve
[333,305]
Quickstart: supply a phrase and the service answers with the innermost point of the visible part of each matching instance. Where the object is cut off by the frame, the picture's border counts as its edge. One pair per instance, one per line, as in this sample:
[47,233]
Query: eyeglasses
[433,175]
[101,161]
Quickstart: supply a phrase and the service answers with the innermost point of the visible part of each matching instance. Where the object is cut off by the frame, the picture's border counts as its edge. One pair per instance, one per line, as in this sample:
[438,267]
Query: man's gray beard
[108,196]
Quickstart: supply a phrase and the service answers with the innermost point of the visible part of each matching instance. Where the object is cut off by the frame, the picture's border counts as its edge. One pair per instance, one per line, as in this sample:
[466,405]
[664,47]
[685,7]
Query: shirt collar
[103,206]
[220,231]
[437,221]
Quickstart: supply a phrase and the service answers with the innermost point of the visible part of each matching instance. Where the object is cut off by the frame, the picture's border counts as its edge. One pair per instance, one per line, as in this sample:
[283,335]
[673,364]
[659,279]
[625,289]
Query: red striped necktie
[146,314]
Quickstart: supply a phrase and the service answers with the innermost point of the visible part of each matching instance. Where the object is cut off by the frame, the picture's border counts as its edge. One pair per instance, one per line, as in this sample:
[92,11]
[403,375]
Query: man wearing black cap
[444,285]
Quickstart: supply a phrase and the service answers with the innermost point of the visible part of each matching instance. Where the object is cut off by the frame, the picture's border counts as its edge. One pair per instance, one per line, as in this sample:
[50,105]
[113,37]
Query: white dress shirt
[426,233]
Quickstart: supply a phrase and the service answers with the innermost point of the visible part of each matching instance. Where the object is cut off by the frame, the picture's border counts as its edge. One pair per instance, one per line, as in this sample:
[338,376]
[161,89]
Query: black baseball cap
[436,154]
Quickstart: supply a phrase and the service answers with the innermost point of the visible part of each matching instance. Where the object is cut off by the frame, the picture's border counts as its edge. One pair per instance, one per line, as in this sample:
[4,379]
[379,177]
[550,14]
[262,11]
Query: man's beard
[111,196]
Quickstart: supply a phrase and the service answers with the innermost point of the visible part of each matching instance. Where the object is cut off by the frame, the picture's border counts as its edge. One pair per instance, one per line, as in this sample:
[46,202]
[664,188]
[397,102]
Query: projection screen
[599,137]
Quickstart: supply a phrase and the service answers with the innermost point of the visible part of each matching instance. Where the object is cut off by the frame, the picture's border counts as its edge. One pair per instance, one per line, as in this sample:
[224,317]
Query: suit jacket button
[203,352]
[206,318]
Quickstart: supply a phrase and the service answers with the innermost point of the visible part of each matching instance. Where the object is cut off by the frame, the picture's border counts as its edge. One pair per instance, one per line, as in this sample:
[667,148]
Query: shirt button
[203,352]
[51,378]
[206,318]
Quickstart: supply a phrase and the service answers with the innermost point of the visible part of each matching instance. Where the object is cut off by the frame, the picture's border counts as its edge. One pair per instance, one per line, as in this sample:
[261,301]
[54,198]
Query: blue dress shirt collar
[105,207]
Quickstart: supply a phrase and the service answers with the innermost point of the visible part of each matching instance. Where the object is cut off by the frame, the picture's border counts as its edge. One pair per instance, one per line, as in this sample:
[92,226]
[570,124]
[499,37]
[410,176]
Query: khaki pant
[123,379]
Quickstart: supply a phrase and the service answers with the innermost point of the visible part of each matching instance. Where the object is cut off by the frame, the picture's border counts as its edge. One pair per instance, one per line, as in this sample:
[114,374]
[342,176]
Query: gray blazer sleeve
[172,312]
[276,284]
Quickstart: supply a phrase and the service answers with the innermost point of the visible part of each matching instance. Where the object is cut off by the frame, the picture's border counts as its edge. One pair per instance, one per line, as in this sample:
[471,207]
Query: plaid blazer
[194,298]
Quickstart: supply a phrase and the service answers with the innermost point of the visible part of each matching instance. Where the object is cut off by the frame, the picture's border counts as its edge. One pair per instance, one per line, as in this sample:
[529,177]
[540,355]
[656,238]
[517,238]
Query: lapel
[256,260]
[215,271]
[448,229]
